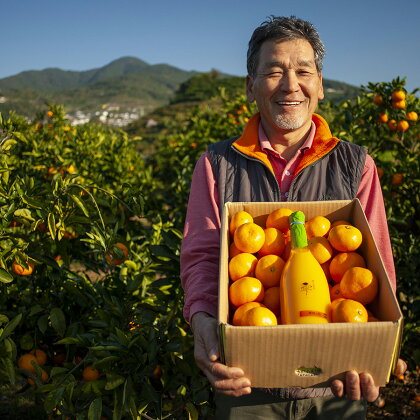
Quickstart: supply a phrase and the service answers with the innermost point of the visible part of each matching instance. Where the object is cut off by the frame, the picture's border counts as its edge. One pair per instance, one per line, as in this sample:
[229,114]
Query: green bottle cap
[297,230]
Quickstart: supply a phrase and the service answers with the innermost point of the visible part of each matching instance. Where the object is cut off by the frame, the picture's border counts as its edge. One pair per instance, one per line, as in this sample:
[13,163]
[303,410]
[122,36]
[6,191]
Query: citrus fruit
[392,124]
[272,300]
[21,270]
[274,242]
[412,116]
[286,252]
[268,270]
[383,117]
[326,268]
[114,257]
[320,248]
[345,238]
[25,360]
[233,250]
[359,284]
[403,125]
[279,219]
[377,100]
[333,305]
[399,104]
[317,226]
[249,237]
[397,179]
[90,373]
[260,316]
[340,222]
[246,289]
[342,262]
[335,292]
[40,356]
[44,377]
[398,95]
[239,313]
[349,310]
[242,265]
[239,218]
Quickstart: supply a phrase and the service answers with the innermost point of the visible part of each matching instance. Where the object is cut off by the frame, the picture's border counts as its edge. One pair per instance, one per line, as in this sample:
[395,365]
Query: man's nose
[289,82]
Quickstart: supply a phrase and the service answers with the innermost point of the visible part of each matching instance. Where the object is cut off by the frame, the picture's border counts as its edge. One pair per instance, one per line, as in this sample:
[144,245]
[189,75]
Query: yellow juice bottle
[304,291]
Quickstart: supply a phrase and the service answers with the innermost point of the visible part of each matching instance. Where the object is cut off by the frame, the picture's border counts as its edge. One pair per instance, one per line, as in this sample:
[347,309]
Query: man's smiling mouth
[289,103]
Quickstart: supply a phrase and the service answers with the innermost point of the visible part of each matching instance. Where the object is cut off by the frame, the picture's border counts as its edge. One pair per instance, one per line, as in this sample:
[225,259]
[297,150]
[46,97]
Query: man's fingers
[337,388]
[226,380]
[352,387]
[400,368]
[370,392]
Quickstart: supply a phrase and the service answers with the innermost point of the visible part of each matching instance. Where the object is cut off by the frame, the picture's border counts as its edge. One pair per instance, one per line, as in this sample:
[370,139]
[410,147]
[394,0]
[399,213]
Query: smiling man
[285,153]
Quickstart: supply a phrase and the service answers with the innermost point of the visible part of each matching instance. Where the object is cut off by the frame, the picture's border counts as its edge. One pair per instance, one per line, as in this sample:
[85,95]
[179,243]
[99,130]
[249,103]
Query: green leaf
[5,276]
[43,323]
[58,321]
[192,411]
[113,380]
[95,409]
[58,371]
[26,342]
[79,204]
[32,202]
[10,326]
[51,225]
[10,369]
[68,340]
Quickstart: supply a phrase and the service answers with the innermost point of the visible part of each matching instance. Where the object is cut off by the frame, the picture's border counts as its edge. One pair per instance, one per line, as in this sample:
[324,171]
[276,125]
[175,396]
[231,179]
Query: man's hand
[224,379]
[356,387]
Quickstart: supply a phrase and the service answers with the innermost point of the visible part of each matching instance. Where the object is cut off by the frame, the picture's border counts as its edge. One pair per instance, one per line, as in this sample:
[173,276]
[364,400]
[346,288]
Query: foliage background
[67,194]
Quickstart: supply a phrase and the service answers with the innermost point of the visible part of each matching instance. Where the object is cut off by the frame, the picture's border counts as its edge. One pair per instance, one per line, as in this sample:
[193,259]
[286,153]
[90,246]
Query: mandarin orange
[320,248]
[242,265]
[239,313]
[359,284]
[274,242]
[249,237]
[268,270]
[260,316]
[272,299]
[342,262]
[317,226]
[279,219]
[246,289]
[345,238]
[349,310]
[239,218]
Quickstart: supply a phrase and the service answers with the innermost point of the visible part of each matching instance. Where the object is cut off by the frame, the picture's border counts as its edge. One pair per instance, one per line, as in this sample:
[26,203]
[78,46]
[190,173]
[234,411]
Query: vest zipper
[277,192]
[303,170]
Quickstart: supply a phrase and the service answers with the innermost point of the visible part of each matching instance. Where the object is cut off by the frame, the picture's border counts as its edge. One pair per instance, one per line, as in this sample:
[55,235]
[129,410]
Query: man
[286,152]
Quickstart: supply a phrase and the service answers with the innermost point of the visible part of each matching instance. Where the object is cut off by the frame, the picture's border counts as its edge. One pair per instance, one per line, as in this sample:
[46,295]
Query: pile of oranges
[257,256]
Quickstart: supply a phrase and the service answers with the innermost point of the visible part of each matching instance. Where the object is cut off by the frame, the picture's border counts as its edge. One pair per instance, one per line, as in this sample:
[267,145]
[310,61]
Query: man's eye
[275,74]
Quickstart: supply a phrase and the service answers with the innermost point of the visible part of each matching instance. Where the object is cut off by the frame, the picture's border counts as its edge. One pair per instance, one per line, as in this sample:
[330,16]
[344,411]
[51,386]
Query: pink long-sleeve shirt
[201,242]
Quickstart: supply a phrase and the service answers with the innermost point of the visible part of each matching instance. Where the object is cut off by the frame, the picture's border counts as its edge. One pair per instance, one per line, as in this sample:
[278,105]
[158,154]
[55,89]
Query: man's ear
[250,89]
[321,88]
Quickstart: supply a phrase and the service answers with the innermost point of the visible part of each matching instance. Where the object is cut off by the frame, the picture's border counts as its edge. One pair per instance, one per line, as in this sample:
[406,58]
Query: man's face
[286,86]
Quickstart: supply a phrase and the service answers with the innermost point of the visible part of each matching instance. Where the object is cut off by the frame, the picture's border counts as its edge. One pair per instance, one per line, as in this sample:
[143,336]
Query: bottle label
[313,313]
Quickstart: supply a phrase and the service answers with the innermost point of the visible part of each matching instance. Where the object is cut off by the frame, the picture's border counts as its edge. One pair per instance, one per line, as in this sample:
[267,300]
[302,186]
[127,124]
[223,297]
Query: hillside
[123,91]
[124,85]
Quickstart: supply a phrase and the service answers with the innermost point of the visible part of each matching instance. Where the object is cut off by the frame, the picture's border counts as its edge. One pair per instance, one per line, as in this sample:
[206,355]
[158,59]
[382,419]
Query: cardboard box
[310,355]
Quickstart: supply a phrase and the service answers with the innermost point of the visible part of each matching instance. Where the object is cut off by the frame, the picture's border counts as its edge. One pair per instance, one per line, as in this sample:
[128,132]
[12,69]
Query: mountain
[127,85]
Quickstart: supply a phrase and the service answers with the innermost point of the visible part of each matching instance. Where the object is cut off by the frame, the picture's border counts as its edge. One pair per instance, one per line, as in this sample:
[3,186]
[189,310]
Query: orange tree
[384,118]
[110,328]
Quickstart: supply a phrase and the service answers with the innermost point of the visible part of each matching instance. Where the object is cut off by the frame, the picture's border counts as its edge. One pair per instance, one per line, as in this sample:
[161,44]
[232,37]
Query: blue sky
[366,40]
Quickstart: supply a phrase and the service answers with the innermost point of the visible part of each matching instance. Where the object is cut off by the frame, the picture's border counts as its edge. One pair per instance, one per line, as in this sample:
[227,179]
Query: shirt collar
[266,145]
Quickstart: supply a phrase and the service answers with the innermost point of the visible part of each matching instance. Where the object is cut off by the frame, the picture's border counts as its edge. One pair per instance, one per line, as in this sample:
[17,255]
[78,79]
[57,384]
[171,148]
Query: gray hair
[287,29]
